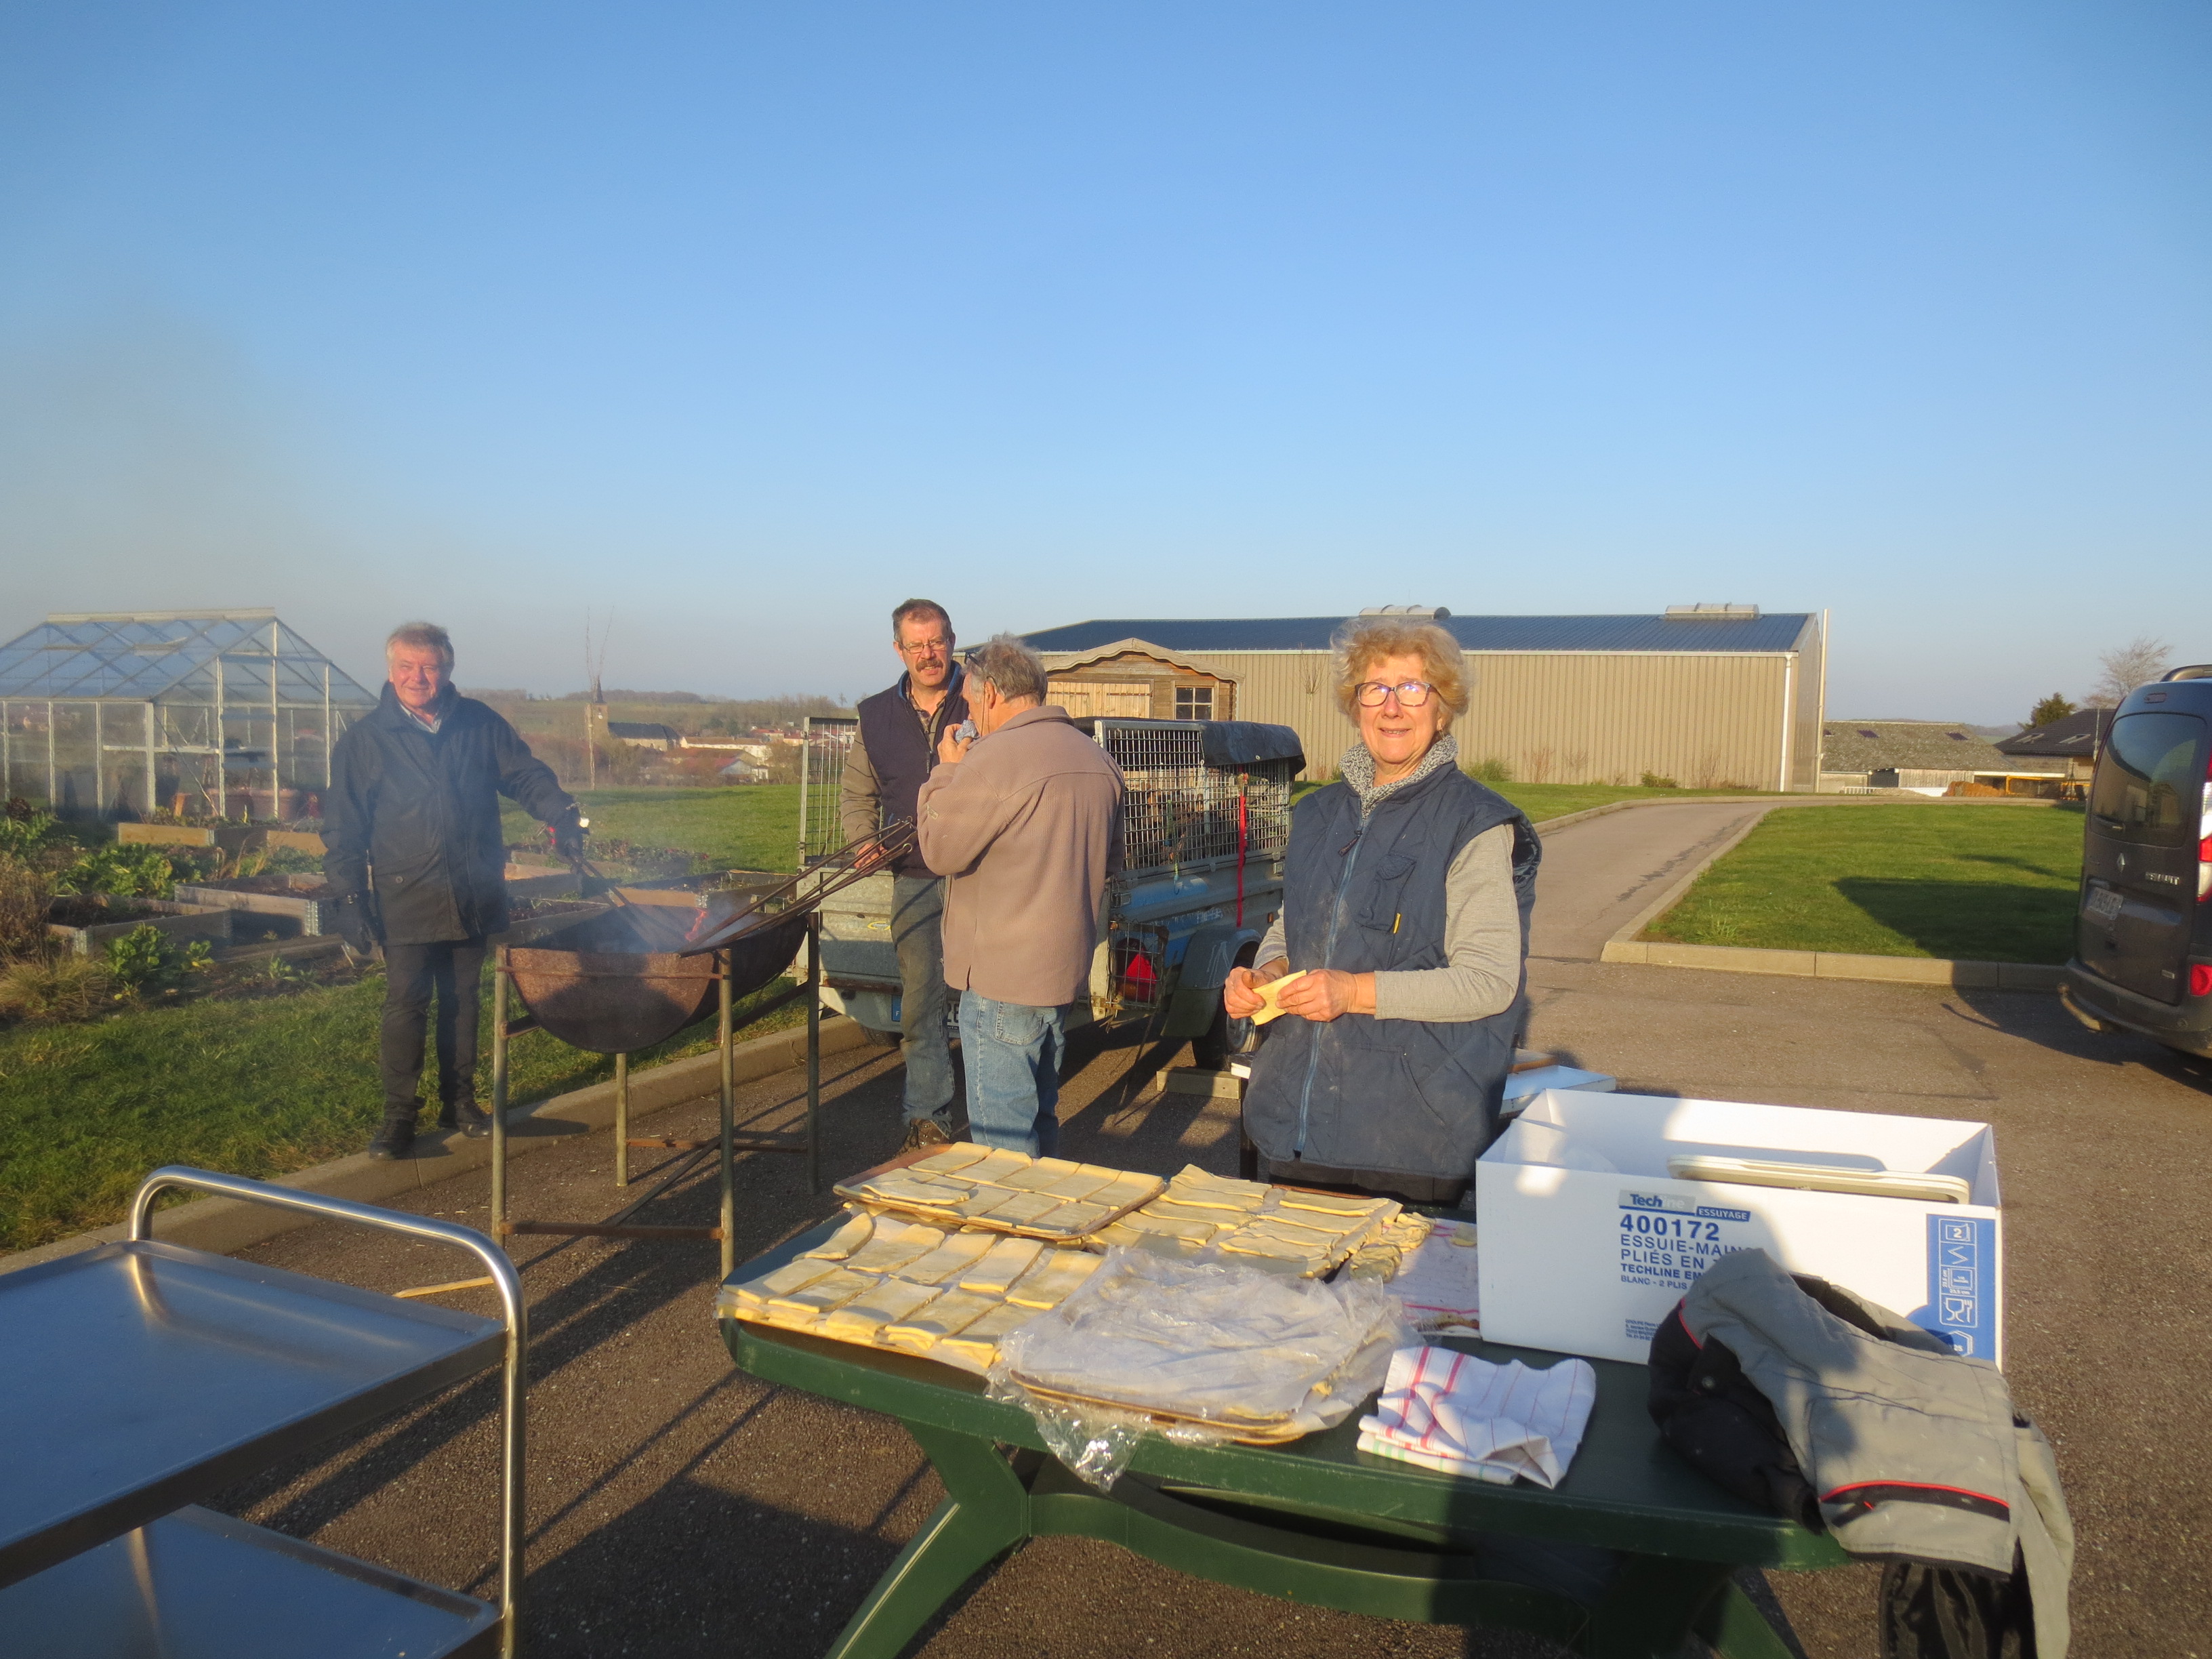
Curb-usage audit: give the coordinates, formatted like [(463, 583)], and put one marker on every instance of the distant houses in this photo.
[(1929, 757)]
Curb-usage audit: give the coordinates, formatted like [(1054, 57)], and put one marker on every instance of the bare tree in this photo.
[(2140, 660)]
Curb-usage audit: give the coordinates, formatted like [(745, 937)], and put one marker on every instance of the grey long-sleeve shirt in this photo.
[(1482, 942)]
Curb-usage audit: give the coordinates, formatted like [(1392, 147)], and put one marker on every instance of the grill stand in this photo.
[(727, 1142)]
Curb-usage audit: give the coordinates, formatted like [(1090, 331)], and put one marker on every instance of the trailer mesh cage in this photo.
[(828, 740), (1181, 807)]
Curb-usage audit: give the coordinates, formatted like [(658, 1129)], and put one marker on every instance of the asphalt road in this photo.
[(679, 1507), (1599, 873)]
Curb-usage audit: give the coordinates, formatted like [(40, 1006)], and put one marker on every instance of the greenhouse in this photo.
[(221, 713)]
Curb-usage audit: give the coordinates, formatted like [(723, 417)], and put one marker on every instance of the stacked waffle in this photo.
[(970, 1185), (914, 1288), (1385, 1250), (1278, 1229)]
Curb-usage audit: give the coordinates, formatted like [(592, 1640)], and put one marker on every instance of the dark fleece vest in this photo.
[(903, 754), (1357, 1092)]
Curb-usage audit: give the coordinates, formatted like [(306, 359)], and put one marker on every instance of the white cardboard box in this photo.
[(1521, 1087), (1587, 1242)]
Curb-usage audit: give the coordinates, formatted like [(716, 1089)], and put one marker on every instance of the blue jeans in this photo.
[(1013, 1053), (917, 929)]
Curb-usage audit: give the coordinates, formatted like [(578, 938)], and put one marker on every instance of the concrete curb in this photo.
[(1836, 964), (1903, 799), (1625, 946), (224, 1224)]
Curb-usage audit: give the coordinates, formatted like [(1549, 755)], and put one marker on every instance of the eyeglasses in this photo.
[(1411, 695)]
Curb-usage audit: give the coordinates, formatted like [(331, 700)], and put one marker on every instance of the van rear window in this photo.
[(2151, 779)]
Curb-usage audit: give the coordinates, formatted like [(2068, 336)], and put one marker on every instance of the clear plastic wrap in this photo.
[(1202, 1351)]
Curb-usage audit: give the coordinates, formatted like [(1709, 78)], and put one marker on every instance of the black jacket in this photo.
[(414, 816)]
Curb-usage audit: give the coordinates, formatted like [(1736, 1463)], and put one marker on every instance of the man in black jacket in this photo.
[(415, 857), (892, 754)]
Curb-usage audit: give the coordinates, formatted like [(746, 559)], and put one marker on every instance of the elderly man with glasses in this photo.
[(1407, 892), (891, 755)]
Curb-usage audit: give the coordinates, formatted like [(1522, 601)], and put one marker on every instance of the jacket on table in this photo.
[(1878, 1432)]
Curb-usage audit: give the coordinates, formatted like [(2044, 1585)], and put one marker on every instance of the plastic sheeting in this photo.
[(1200, 1351)]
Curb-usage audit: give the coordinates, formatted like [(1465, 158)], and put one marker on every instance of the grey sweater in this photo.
[(1482, 920)]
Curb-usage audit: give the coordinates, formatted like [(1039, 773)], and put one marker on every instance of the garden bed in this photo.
[(86, 923)]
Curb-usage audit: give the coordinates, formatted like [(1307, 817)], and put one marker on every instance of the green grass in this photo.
[(254, 1088), (1980, 884), (743, 827)]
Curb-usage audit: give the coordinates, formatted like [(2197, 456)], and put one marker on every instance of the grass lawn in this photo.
[(743, 827), (1981, 883), (251, 1087)]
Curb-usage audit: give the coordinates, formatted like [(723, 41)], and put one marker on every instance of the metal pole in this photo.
[(276, 727), (499, 1098), (53, 783), (99, 759), (622, 1120), (813, 1050), (221, 763), (153, 774), (723, 1031), (806, 773), (328, 740)]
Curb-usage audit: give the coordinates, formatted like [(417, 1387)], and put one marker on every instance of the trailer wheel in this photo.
[(1211, 1049)]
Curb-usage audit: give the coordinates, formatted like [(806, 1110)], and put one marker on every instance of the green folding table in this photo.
[(1316, 1522)]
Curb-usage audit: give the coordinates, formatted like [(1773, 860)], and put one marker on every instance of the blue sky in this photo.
[(745, 322)]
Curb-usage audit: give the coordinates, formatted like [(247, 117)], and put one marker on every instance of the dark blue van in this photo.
[(2142, 954)]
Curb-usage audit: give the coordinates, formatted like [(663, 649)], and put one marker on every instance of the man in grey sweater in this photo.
[(1025, 822)]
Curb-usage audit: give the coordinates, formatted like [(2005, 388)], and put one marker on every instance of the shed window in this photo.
[(1193, 702)]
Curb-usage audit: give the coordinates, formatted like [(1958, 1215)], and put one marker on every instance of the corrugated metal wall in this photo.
[(1579, 717)]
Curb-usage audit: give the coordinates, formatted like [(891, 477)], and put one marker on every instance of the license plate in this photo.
[(2104, 903)]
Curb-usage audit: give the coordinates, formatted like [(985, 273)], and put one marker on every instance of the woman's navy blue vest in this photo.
[(1402, 1096)]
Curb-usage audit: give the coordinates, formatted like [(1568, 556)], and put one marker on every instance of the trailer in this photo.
[(1205, 825)]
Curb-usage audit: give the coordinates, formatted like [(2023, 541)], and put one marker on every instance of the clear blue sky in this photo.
[(749, 320)]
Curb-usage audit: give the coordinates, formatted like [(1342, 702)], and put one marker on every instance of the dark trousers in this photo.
[(452, 971)]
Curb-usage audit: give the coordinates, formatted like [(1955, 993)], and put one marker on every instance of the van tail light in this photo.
[(2200, 979)]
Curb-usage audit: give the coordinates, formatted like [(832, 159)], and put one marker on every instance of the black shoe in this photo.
[(395, 1140), (470, 1119), (925, 1132)]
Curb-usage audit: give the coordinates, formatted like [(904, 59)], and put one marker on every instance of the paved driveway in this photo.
[(1599, 873), (681, 1509)]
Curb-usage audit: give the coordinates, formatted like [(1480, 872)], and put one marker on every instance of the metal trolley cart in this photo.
[(140, 1377), (637, 975)]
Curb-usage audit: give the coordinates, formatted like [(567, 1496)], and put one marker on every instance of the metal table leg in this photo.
[(622, 1120), (724, 1030), (813, 1056)]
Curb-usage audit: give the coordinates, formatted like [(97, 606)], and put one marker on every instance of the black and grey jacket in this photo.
[(1902, 1449), (413, 815)]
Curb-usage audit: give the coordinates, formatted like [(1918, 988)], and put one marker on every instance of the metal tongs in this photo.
[(833, 873)]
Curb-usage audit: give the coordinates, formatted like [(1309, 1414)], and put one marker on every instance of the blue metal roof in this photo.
[(1777, 632)]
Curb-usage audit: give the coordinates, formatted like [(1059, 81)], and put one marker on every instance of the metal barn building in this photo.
[(1708, 695), (230, 711)]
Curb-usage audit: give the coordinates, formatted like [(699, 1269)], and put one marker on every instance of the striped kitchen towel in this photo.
[(1463, 1415)]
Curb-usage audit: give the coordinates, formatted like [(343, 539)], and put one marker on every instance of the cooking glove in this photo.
[(569, 836), (355, 925)]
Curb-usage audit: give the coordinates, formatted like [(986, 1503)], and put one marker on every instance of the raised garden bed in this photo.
[(230, 837), (85, 923)]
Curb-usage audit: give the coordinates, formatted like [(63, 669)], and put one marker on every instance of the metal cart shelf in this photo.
[(146, 1377)]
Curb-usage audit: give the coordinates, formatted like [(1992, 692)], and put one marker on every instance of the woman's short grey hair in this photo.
[(422, 635), (1016, 670), (1365, 640)]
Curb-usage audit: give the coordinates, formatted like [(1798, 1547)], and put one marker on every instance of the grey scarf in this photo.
[(1357, 768)]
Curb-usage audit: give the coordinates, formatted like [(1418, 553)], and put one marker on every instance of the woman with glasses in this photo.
[(1407, 892)]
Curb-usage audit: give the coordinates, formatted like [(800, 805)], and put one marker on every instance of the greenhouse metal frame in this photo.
[(211, 713)]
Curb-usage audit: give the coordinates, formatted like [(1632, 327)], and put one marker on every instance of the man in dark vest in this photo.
[(414, 857), (892, 754)]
